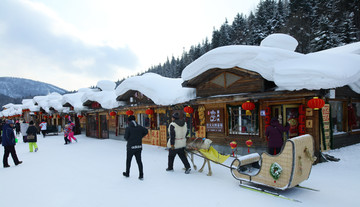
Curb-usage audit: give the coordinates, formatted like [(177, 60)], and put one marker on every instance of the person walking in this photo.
[(133, 135), (32, 137), (177, 142), (23, 128), (8, 141), (274, 135), (43, 127), (66, 134), (71, 131)]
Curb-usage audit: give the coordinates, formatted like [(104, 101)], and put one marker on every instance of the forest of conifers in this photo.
[(315, 24)]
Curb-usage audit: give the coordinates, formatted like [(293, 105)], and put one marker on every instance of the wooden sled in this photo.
[(282, 171)]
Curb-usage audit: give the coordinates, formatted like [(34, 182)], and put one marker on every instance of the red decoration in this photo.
[(66, 116), (80, 116), (267, 120), (233, 145), (248, 106), (249, 143), (302, 109), (316, 103), (45, 117), (113, 113), (302, 119), (267, 111), (189, 110), (302, 129), (95, 105), (129, 112), (50, 117), (58, 116), (40, 112), (149, 111)]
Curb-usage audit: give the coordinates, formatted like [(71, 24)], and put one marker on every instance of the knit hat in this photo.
[(8, 121), (131, 118), (176, 115)]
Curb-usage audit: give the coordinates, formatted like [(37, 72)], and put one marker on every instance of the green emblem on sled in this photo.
[(275, 170)]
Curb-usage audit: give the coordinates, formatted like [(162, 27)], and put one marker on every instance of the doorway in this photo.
[(287, 113)]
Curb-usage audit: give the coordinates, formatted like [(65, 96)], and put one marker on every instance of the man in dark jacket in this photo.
[(8, 141), (274, 134), (177, 142), (133, 135)]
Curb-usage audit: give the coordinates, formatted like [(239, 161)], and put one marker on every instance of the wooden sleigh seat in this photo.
[(295, 161)]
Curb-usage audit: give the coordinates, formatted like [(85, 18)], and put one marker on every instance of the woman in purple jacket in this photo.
[(274, 135)]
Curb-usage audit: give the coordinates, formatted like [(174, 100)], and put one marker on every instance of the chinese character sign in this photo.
[(214, 120)]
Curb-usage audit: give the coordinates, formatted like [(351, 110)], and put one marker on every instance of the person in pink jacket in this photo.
[(71, 131)]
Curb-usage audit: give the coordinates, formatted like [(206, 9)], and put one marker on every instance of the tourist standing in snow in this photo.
[(23, 127), (8, 141), (274, 135), (177, 142), (43, 127), (31, 137), (133, 135), (71, 131)]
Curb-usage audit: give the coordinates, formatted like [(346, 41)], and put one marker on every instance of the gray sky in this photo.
[(75, 43)]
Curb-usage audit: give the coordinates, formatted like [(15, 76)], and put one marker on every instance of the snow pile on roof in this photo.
[(289, 70), (161, 90), (74, 99), (282, 41), (11, 110), (53, 100), (106, 97), (29, 104)]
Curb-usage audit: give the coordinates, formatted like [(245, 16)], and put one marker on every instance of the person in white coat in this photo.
[(177, 142), (23, 127)]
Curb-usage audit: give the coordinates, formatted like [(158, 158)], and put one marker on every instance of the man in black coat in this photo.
[(8, 141), (133, 135)]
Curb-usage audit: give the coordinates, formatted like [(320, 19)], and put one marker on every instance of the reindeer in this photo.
[(194, 146)]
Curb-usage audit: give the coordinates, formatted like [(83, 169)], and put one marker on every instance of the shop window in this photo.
[(354, 116), (240, 123), (144, 120), (337, 116)]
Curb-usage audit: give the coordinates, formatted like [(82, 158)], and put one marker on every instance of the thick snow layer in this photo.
[(282, 41), (106, 98), (289, 70), (106, 85), (253, 58), (89, 173), (319, 71), (161, 90), (74, 99), (53, 100)]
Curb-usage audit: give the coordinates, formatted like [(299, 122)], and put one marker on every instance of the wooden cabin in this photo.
[(222, 92), (97, 120)]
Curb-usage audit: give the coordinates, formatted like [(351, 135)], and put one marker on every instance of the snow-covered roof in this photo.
[(29, 104), (74, 99), (289, 70), (161, 90), (106, 96), (53, 100)]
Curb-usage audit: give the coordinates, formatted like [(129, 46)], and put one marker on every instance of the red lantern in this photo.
[(129, 112), (316, 103), (233, 145), (248, 106), (40, 112), (149, 112), (35, 113), (249, 144), (58, 116), (45, 117), (113, 113), (189, 110), (66, 116), (80, 116), (50, 117)]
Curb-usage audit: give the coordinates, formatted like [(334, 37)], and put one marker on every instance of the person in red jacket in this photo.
[(274, 135)]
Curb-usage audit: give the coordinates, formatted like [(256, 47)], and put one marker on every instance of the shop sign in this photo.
[(215, 120)]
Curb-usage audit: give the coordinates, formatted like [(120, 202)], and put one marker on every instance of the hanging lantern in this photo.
[(129, 112), (35, 113), (149, 112), (80, 116), (248, 106), (189, 110), (66, 116), (113, 113), (45, 117), (249, 143), (40, 112), (50, 117), (233, 145), (58, 116), (316, 103)]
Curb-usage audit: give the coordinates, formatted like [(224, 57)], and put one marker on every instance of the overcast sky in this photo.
[(75, 43)]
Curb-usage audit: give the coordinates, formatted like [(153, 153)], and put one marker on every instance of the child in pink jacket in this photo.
[(71, 131)]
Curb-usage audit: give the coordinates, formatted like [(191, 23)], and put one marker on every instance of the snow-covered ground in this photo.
[(89, 173)]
